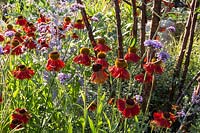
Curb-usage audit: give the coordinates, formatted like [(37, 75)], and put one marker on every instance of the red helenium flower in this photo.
[(119, 70), (153, 68), (22, 72), (142, 78), (67, 21), (54, 63), (101, 60), (2, 38), (128, 107), (21, 21), (101, 46), (99, 76), (83, 58), (163, 119), (131, 56), (15, 48), (79, 24)]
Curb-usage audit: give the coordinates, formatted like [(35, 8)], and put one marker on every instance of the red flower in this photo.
[(15, 123), (18, 37), (128, 107), (44, 45), (29, 28), (131, 56), (163, 119), (15, 49), (21, 21), (142, 78), (83, 58), (75, 36), (67, 21), (92, 106), (79, 24), (1, 99), (43, 19), (119, 70), (101, 46), (99, 76), (2, 38), (22, 72), (101, 60), (19, 117), (30, 44), (54, 63), (154, 67)]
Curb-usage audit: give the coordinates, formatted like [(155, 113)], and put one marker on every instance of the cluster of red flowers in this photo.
[(163, 119), (19, 118)]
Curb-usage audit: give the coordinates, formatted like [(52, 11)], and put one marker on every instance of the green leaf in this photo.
[(91, 125), (107, 120), (16, 93)]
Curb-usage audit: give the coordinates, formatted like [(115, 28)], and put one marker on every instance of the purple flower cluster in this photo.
[(171, 28), (1, 50), (196, 95), (75, 7), (153, 44), (163, 56), (62, 77), (138, 98), (9, 33)]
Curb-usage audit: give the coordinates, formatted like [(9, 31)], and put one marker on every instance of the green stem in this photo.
[(98, 104)]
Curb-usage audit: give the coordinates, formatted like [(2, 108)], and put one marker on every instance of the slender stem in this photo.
[(119, 33), (125, 125)]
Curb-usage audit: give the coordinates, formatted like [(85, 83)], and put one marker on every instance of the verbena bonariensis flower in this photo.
[(21, 21), (163, 56), (153, 44), (128, 107), (119, 69), (76, 6), (155, 66), (196, 95), (22, 72), (1, 38), (15, 48), (138, 98), (79, 24), (19, 117), (1, 50), (101, 59), (9, 33), (54, 63), (62, 77), (99, 76), (83, 58), (101, 46), (163, 119), (143, 78), (171, 28), (131, 55)]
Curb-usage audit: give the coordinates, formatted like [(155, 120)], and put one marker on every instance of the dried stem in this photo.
[(119, 33), (87, 24), (135, 20), (143, 26), (127, 2), (182, 52), (188, 53), (155, 17)]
